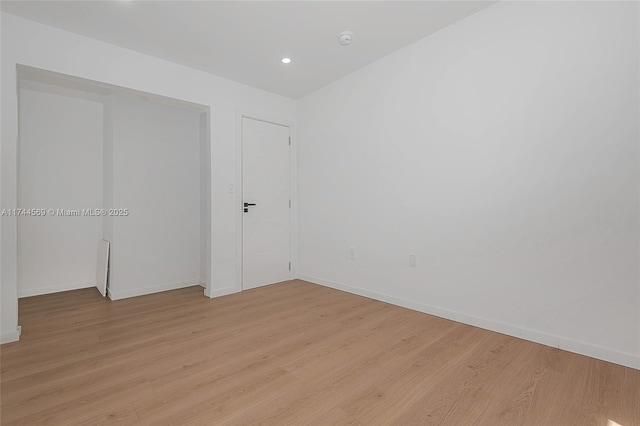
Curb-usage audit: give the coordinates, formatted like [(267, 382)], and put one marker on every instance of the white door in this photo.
[(266, 203)]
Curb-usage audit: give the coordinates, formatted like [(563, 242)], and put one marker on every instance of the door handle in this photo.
[(246, 206)]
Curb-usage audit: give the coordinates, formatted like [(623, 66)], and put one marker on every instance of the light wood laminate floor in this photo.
[(290, 354)]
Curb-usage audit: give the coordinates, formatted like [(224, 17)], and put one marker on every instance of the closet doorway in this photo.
[(100, 162)]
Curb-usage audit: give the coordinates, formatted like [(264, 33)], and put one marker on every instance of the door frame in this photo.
[(293, 191)]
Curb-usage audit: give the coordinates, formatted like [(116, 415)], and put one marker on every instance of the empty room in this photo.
[(320, 213)]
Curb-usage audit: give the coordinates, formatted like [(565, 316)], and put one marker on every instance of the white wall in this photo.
[(28, 43), (156, 176), (503, 152), (60, 155)]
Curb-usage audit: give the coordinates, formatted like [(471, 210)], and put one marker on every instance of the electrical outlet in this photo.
[(412, 260), (352, 253)]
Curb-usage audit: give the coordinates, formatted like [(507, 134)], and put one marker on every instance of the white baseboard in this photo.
[(125, 294), (221, 292), (567, 344), (599, 352), (54, 289), (11, 336)]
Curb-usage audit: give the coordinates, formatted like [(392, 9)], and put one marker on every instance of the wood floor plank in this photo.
[(469, 392), (423, 374), (292, 353), (124, 415)]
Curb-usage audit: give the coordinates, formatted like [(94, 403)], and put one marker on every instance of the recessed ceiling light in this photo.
[(286, 60)]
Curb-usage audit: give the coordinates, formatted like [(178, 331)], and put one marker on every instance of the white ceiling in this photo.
[(244, 41)]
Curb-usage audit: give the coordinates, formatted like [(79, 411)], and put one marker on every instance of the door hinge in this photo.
[(289, 203), (289, 265), (289, 140)]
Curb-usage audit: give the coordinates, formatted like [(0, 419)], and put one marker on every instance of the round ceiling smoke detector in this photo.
[(345, 38)]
